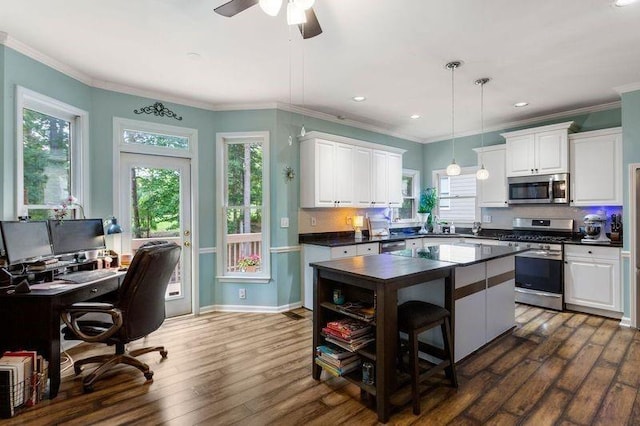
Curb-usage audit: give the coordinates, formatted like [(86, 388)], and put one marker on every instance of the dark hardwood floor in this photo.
[(253, 369)]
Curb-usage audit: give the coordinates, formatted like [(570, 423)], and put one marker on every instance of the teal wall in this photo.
[(103, 106), (437, 155)]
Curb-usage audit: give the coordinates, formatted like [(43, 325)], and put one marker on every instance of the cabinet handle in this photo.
[(345, 252), (566, 262), (589, 252), (531, 170)]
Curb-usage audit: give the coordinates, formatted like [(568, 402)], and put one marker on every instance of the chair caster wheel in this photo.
[(164, 354), (77, 369), (87, 388), (148, 375)]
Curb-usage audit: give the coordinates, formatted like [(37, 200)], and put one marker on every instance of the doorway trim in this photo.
[(634, 302), (119, 124)]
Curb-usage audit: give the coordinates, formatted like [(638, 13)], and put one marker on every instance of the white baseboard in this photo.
[(625, 322), (250, 308)]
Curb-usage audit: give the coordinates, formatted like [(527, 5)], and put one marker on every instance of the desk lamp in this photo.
[(112, 229)]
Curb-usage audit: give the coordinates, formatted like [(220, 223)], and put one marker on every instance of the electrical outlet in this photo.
[(486, 218), (242, 293), (284, 222), (313, 221), (349, 220)]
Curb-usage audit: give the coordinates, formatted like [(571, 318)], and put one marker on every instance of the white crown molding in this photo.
[(512, 124), (47, 60), (632, 87)]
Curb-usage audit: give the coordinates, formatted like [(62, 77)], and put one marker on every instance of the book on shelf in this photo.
[(20, 366), (6, 393), (335, 371), (353, 345), (334, 351), (30, 373), (343, 363), (348, 328)]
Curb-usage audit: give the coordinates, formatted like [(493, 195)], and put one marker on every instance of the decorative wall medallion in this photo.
[(159, 110), (289, 174)]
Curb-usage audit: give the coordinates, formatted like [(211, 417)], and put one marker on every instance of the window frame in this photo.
[(79, 121), (415, 176), (222, 139), (435, 179)]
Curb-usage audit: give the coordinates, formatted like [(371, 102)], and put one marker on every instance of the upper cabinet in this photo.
[(596, 168), (492, 192), (341, 172), (539, 150)]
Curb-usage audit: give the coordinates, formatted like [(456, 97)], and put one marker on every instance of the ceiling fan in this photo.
[(299, 12)]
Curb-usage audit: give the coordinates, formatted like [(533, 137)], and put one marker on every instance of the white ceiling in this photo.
[(556, 55)]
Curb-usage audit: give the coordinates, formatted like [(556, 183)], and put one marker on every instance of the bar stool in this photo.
[(415, 317)]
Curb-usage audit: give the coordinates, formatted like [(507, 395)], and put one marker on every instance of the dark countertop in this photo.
[(578, 242), (460, 254), (381, 267)]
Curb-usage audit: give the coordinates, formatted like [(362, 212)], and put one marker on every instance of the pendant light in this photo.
[(453, 169), (303, 131), (295, 13), (482, 173)]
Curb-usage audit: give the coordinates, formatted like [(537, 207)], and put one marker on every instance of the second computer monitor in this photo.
[(25, 242), (74, 236)]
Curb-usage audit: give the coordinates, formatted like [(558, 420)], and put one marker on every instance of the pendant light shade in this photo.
[(453, 169), (482, 173), (305, 4), (271, 7), (295, 13)]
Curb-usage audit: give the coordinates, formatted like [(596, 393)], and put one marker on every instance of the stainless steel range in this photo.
[(539, 271)]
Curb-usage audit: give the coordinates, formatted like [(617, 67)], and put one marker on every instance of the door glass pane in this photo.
[(155, 139), (155, 211), (47, 158)]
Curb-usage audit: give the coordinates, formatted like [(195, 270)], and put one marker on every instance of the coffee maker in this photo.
[(594, 228)]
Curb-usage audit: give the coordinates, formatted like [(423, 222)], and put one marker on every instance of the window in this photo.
[(410, 196), (457, 196), (243, 194), (49, 154)]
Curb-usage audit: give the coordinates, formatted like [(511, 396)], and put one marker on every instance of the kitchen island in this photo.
[(469, 280)]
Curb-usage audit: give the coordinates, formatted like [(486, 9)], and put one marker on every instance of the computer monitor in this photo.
[(74, 236), (25, 242)]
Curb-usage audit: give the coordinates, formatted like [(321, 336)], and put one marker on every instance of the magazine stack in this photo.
[(335, 360), (348, 333)]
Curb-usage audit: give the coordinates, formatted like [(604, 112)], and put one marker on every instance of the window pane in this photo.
[(406, 211), (407, 186), (244, 239), (155, 139), (47, 158), (244, 175)]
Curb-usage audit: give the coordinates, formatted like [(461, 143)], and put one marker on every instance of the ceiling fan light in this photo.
[(453, 169), (271, 7), (305, 4), (295, 14), (482, 173)]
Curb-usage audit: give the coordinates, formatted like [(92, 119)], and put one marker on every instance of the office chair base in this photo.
[(108, 361)]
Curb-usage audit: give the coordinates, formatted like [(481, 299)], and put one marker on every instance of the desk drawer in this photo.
[(85, 292)]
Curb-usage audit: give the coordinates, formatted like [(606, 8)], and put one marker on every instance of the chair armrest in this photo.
[(71, 314)]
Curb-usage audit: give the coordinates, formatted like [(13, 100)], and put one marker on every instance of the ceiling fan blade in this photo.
[(234, 7), (312, 27)]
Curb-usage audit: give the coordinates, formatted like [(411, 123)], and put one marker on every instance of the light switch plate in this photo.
[(486, 218), (284, 222)]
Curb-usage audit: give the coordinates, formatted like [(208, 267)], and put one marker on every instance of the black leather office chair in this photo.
[(138, 311)]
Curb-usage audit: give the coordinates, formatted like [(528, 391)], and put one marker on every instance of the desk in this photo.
[(32, 320), (384, 275)]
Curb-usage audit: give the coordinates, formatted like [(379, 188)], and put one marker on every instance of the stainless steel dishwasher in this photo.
[(392, 246)]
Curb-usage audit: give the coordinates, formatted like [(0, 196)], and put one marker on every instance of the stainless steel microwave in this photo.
[(539, 189)]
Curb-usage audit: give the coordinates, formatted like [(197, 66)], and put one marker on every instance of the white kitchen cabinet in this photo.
[(326, 174), (592, 277), (492, 192), (413, 243), (540, 150), (312, 253), (471, 309), (596, 168), (342, 172), (501, 283)]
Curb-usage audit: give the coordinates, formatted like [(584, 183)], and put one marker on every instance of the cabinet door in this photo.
[(601, 153), (520, 155), (343, 178), (413, 243), (551, 152), (394, 183), (343, 251), (362, 177), (470, 324), (367, 249), (379, 178), (325, 173), (500, 296), (593, 282), (492, 192)]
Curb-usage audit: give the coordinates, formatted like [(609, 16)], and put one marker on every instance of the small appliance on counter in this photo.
[(616, 227), (594, 228), (378, 227)]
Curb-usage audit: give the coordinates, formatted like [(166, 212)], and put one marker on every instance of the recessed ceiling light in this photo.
[(621, 3), (194, 56), (520, 104), (415, 116), (359, 98)]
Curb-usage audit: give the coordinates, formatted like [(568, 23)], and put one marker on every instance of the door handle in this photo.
[(187, 243), (187, 233)]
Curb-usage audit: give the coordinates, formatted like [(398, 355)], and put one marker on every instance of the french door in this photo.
[(155, 204)]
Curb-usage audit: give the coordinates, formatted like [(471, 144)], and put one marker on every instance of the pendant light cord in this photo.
[(453, 138), (482, 124)]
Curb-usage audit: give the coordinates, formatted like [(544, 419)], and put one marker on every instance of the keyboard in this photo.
[(82, 277)]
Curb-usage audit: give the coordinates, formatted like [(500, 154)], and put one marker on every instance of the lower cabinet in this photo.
[(312, 253), (592, 277), (484, 304)]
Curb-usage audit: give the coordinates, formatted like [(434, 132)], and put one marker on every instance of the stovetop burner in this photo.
[(534, 238)]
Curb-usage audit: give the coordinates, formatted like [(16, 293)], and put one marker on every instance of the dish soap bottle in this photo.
[(452, 228)]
